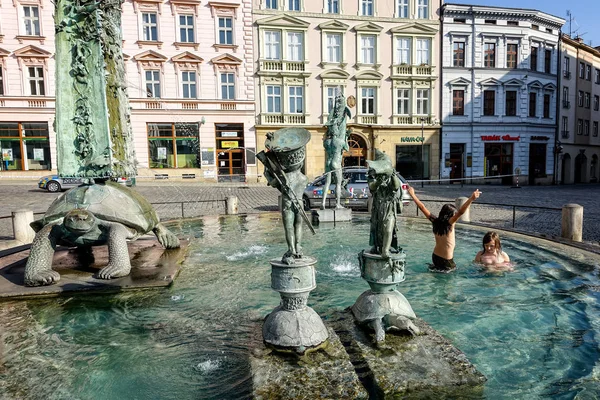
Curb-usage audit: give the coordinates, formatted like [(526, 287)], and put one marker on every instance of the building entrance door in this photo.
[(230, 153), (357, 153), (457, 156), (537, 161)]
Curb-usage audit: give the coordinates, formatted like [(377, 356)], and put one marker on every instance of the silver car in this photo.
[(356, 195), (54, 183)]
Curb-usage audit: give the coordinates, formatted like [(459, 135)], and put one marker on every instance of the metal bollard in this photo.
[(21, 228), (572, 222), (232, 205), (466, 217)]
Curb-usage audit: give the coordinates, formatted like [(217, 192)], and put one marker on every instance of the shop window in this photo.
[(173, 145), (498, 159), (29, 139), (413, 161)]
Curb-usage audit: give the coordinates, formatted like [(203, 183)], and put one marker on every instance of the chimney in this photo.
[(579, 39)]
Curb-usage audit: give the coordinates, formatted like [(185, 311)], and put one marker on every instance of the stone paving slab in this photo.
[(151, 266)]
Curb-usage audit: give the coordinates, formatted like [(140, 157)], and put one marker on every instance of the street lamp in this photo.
[(422, 153)]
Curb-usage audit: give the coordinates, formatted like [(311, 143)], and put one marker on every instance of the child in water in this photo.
[(492, 254), (443, 231)]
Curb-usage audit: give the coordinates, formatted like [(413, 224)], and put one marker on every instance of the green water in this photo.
[(532, 332)]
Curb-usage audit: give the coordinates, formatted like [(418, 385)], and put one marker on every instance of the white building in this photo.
[(499, 93)]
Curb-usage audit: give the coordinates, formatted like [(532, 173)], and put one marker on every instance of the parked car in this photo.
[(54, 183), (356, 195)]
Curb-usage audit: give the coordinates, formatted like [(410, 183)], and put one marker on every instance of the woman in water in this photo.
[(443, 231), (492, 254)]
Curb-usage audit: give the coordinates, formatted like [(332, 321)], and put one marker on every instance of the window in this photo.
[(459, 54), (511, 103), (595, 133), (31, 20), (423, 9), (580, 98), (272, 43), (36, 81), (403, 101), (173, 145), (546, 106), (565, 127), (596, 101), (588, 72), (422, 101), (597, 79), (228, 86), (402, 8), (533, 61), (188, 80), (498, 159), (547, 61), (149, 27), (580, 126), (367, 45), (1, 83), (294, 5), (296, 99), (367, 105), (586, 97), (566, 67), (186, 29), (532, 104), (225, 30), (333, 6), (489, 102), (272, 4), (490, 21), (334, 47), (367, 7), (153, 83), (331, 92), (403, 50), (581, 70), (295, 46), (458, 102), (273, 99), (512, 23), (29, 139), (565, 95), (535, 27), (423, 51), (586, 127), (460, 20), (511, 55), (489, 55)]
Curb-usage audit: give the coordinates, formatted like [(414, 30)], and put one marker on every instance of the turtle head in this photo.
[(79, 221)]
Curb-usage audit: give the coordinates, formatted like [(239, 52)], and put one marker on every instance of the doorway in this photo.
[(537, 161), (457, 156), (565, 173), (357, 153), (580, 168), (231, 165)]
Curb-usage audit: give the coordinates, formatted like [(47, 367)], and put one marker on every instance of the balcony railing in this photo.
[(564, 134), (190, 104), (566, 104), (419, 70), (282, 119), (367, 119), (282, 65), (412, 119), (27, 102)]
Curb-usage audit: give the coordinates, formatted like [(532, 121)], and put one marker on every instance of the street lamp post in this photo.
[(422, 152)]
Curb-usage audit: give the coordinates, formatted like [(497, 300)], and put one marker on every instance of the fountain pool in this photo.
[(532, 332)]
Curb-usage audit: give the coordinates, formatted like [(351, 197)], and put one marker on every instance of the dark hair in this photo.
[(441, 223), (492, 237)]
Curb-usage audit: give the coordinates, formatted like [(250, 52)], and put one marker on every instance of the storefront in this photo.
[(413, 158), (24, 146)]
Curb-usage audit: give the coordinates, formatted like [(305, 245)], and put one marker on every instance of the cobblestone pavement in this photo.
[(202, 199)]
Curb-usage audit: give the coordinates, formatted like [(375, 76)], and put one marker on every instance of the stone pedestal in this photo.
[(332, 215), (571, 222), (293, 325)]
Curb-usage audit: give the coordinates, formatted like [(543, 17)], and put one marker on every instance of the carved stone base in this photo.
[(332, 215)]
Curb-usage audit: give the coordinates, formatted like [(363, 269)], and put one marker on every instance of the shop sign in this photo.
[(229, 134), (487, 138), (208, 156), (411, 139), (161, 153), (38, 154), (229, 144), (540, 138)]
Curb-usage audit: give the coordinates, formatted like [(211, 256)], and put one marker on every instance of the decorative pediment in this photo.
[(147, 5), (32, 52), (226, 59), (514, 82), (126, 57), (335, 74), (185, 6), (187, 57), (4, 53), (490, 82), (283, 21), (459, 82), (150, 55), (549, 86), (368, 27), (369, 75), (28, 2), (414, 29), (221, 9), (333, 26), (535, 85)]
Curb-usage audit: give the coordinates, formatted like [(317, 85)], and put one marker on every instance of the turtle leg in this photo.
[(403, 323), (38, 271), (167, 238), (377, 325), (118, 255)]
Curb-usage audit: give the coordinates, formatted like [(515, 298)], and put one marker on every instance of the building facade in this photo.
[(189, 77), (382, 53), (499, 93), (578, 141)]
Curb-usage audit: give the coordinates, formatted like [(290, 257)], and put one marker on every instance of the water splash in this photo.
[(254, 250)]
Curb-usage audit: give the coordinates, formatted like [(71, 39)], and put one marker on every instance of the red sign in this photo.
[(487, 138)]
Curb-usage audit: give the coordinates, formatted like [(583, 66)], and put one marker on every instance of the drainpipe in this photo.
[(473, 41), (557, 117), (441, 92)]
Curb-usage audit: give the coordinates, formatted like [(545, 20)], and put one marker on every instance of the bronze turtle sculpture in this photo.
[(93, 215)]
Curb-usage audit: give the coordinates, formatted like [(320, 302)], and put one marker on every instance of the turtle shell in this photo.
[(108, 202), (370, 306)]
